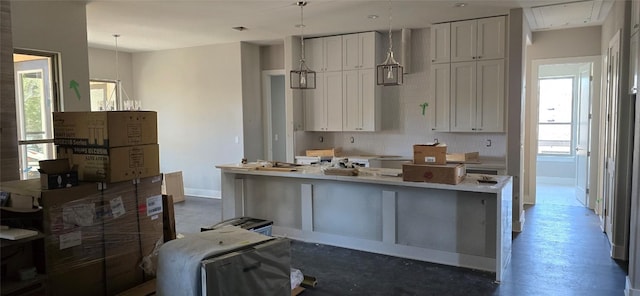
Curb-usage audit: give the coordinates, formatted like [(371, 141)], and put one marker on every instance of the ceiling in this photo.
[(149, 25)]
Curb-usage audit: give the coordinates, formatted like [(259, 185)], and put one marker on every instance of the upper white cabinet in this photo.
[(323, 105), (324, 54), (635, 16), (481, 39), (361, 101), (440, 43), (359, 50), (477, 96), (439, 98)]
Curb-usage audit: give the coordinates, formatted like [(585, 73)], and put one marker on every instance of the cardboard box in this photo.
[(113, 164), (324, 152), (150, 212), (57, 173), (467, 157), (443, 174), (430, 153), (105, 129)]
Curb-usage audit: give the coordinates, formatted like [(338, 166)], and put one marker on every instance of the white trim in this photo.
[(619, 252), (208, 193), (629, 290), (518, 226), (266, 115)]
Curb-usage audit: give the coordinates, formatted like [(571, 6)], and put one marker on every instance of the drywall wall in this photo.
[(199, 104), (253, 131), (272, 57), (102, 65), (61, 28)]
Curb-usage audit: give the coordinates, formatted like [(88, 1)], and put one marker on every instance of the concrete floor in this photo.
[(562, 251)]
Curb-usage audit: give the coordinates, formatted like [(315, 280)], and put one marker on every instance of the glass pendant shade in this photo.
[(390, 72), (303, 78)]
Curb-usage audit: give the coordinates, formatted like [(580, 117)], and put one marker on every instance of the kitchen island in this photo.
[(466, 225)]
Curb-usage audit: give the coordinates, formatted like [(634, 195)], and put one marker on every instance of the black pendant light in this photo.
[(390, 72), (303, 78)]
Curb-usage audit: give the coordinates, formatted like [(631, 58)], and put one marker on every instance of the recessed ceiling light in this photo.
[(241, 28), (460, 4), (372, 16)]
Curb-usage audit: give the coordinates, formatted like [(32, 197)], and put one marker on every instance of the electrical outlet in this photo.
[(352, 140)]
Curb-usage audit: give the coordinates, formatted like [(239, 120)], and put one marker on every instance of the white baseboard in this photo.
[(629, 290), (518, 226), (556, 181), (208, 193)]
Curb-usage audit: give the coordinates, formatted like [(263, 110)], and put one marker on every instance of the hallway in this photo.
[(561, 251)]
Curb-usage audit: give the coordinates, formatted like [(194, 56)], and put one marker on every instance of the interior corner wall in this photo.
[(272, 57), (515, 147), (253, 130), (102, 65), (9, 162), (199, 103), (60, 27)]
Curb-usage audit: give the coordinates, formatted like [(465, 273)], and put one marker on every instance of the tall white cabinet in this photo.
[(353, 103), (473, 83)]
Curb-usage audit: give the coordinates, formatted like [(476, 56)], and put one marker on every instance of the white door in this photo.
[(440, 47), (490, 96), (333, 101), (315, 112), (352, 101), (439, 100), (582, 133), (351, 52), (491, 43), (463, 97), (463, 41)]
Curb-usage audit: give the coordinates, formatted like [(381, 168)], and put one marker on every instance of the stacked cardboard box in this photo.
[(109, 146), (430, 165), (96, 234)]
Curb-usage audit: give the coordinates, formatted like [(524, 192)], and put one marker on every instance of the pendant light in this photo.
[(123, 102), (303, 78), (390, 72)]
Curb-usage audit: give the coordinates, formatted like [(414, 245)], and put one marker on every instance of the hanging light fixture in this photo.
[(123, 102), (303, 78), (390, 72)]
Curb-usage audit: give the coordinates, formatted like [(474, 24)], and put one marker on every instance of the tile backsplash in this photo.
[(403, 123)]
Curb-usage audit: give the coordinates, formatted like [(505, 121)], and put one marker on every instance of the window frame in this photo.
[(572, 123)]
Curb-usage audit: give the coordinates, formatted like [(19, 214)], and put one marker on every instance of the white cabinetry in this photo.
[(439, 100), (480, 39), (346, 99), (634, 63), (359, 50), (323, 105), (324, 54), (440, 45), (477, 96), (361, 101)]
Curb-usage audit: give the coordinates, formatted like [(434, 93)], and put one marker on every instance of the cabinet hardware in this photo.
[(473, 129), (433, 129), (473, 58), (479, 57)]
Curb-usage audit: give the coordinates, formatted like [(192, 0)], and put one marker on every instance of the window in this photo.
[(555, 128), (35, 74), (104, 95)]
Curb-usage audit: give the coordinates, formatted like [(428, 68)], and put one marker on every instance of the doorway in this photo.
[(273, 94), (562, 130)]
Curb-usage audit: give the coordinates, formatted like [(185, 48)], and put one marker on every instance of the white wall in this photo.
[(57, 26), (252, 102), (402, 121), (197, 93), (102, 65)]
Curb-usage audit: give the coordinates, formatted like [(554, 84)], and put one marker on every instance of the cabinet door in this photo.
[(463, 41), (635, 16), (351, 47), (314, 52), (370, 98), (333, 97), (463, 97), (634, 51), (315, 112), (333, 53), (440, 43), (491, 38), (369, 43), (352, 101), (439, 100), (490, 96)]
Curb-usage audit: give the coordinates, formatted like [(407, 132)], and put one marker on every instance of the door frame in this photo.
[(531, 130), (266, 102)]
